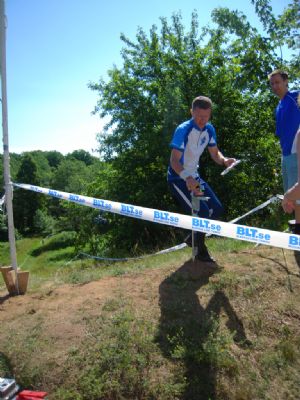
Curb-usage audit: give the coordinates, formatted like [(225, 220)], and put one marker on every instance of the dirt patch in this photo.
[(63, 307)]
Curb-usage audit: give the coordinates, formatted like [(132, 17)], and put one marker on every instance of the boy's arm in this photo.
[(219, 158)]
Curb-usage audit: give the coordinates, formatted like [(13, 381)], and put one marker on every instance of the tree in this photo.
[(54, 158), (151, 94), (43, 169), (26, 203), (72, 176), (82, 155), (282, 31)]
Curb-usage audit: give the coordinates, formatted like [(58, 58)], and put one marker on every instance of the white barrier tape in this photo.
[(110, 258), (174, 248), (220, 228), (178, 247), (228, 169), (262, 205), (2, 201)]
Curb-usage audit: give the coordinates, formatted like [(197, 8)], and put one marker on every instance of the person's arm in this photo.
[(293, 193), (175, 163), (219, 158)]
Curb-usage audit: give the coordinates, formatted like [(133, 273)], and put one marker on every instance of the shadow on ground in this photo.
[(4, 298), (297, 258), (186, 325)]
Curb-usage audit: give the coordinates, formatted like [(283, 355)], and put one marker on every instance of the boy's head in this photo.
[(202, 102), (201, 110), (284, 75), (279, 82)]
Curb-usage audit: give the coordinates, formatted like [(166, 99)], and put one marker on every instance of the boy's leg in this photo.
[(209, 208), (214, 208), (203, 253)]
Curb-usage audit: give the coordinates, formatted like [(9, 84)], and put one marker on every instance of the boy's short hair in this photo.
[(284, 75), (202, 102)]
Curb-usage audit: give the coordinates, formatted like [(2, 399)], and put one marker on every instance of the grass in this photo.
[(155, 328)]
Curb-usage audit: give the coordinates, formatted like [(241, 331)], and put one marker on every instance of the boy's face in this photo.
[(201, 116), (279, 85)]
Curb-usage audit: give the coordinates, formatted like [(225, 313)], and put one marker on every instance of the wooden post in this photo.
[(9, 278)]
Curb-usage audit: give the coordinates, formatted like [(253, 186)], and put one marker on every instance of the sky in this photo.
[(54, 48)]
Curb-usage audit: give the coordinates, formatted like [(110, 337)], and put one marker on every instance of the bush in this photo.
[(43, 223), (59, 241)]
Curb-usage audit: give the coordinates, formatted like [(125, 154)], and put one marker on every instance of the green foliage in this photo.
[(70, 176), (26, 203), (54, 158), (151, 94), (283, 30), (82, 155), (5, 367), (59, 241), (43, 168), (3, 228), (43, 223)]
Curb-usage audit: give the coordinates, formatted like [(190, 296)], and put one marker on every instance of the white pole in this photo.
[(7, 181)]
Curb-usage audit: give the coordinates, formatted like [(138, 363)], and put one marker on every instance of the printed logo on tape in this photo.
[(227, 229), (206, 225), (102, 204), (165, 217), (36, 189), (55, 193), (76, 198), (131, 211), (252, 234), (294, 242)]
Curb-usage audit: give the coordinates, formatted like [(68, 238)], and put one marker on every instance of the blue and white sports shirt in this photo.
[(288, 122), (191, 141)]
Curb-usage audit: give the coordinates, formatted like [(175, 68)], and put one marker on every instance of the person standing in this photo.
[(189, 141), (287, 124)]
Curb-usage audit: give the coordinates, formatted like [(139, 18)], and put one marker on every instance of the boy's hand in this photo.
[(193, 186), (288, 205), (229, 161)]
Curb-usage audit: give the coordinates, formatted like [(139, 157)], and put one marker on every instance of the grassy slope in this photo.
[(157, 328)]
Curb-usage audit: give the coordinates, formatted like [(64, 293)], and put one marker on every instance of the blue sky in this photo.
[(55, 47)]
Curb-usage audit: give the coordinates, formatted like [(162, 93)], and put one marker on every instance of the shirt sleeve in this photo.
[(178, 138), (212, 136)]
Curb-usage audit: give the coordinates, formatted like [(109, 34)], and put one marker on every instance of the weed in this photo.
[(121, 359), (256, 321), (287, 350), (216, 347), (5, 366), (252, 285), (113, 305), (226, 281)]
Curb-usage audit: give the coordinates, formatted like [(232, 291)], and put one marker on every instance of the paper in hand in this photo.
[(230, 167)]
